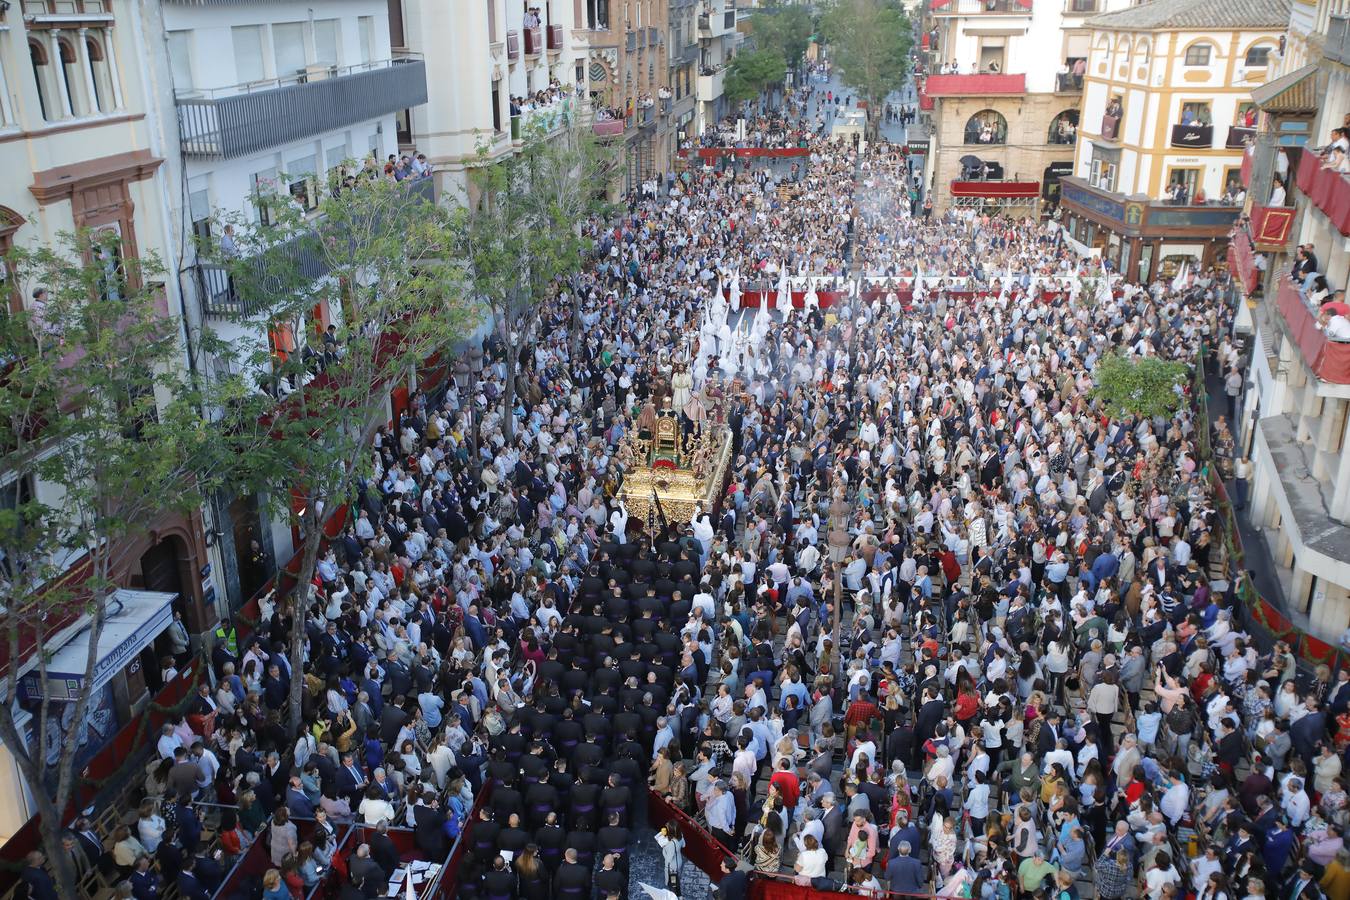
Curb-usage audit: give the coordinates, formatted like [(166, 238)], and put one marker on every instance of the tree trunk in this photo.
[(30, 761), (299, 607), (509, 389)]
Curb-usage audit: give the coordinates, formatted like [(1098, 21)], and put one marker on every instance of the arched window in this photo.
[(70, 72), (1063, 128), (1258, 57), (102, 101), (987, 127), (1199, 54), (42, 77)]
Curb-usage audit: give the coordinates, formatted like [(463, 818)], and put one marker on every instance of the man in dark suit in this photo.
[(1308, 732), (735, 884), (297, 801), (836, 828), (429, 827), (1303, 886), (40, 885), (904, 873), (189, 886), (382, 848), (208, 870), (367, 873), (351, 780), (89, 839)]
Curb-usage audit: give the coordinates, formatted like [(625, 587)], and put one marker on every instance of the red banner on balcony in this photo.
[(939, 4), (1271, 226), (1328, 190), (925, 101), (1309, 165), (995, 190), (975, 85), (924, 41), (1329, 360), (1242, 261)]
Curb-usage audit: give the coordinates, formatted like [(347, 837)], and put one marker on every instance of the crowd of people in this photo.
[(951, 628)]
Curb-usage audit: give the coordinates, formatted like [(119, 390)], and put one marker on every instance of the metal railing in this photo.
[(222, 298), (245, 119), (1068, 83)]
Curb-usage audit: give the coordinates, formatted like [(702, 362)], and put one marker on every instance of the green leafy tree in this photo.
[(785, 30), (1145, 386), (521, 241), (377, 257), (870, 42), (104, 434), (751, 74)]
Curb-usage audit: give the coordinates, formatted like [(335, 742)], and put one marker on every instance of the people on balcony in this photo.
[(1277, 193)]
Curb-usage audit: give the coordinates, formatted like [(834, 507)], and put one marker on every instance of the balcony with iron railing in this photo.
[(1239, 136), (548, 119), (1082, 7), (1068, 83), (244, 119), (216, 289)]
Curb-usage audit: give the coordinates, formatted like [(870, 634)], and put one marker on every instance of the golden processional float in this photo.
[(670, 471)]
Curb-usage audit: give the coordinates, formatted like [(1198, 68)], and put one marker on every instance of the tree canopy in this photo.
[(522, 239), (105, 434), (751, 73), (870, 42), (375, 263), (1139, 386), (785, 30)]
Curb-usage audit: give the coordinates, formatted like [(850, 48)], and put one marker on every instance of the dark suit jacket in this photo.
[(367, 873), (904, 875), (430, 831), (836, 830), (191, 888)]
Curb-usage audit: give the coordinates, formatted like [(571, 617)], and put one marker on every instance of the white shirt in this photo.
[(812, 863)]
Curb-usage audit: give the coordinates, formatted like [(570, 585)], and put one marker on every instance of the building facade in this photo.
[(1294, 415), (81, 147), (1003, 84), (486, 66), (718, 38), (1167, 112), (257, 97)]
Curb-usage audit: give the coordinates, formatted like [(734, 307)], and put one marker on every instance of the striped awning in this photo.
[(1292, 93)]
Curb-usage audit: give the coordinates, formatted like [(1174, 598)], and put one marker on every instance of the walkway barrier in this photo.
[(708, 154), (1256, 615), (700, 848)]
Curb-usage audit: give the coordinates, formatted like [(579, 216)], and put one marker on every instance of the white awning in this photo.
[(134, 620)]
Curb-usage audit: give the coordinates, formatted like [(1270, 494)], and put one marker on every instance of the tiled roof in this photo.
[(1197, 14), (1292, 93)]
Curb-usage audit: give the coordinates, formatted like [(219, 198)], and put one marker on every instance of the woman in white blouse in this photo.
[(374, 809), (811, 861)]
